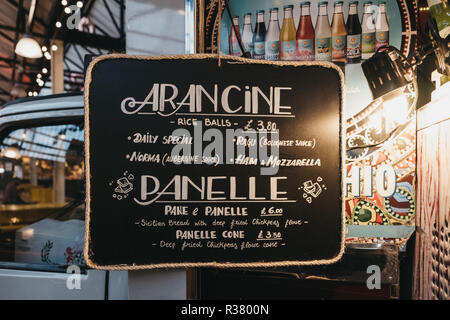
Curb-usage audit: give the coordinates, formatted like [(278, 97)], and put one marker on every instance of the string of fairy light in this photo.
[(47, 52)]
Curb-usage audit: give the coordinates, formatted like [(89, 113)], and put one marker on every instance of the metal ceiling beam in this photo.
[(74, 63), (11, 62), (122, 19), (3, 78), (70, 37), (88, 7), (3, 91), (54, 14), (18, 82), (40, 21), (79, 54), (91, 40), (111, 16), (4, 35), (19, 22), (81, 38), (13, 29)]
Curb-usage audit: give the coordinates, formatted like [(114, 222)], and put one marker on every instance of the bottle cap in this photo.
[(248, 14), (323, 3), (305, 3), (260, 11), (367, 3), (353, 2), (338, 2), (273, 9), (289, 6)]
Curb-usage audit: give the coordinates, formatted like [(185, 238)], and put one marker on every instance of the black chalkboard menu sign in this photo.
[(192, 161)]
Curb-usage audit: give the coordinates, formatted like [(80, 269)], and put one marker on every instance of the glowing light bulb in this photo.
[(28, 47), (11, 153)]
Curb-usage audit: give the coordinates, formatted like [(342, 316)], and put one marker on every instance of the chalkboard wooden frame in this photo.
[(88, 252)]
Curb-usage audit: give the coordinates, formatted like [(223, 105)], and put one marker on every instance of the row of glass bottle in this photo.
[(341, 42)]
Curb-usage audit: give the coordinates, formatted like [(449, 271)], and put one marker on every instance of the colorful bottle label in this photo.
[(259, 50), (248, 46), (382, 38), (368, 42), (235, 49), (288, 50), (354, 46), (339, 47), (323, 49), (272, 50), (305, 49)]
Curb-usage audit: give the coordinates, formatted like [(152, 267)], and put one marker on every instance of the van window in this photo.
[(42, 196)]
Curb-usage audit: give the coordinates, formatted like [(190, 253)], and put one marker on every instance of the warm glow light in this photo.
[(58, 24), (11, 153), (393, 109), (44, 48), (14, 220), (44, 70), (48, 56), (80, 4), (67, 10), (64, 2), (54, 47), (35, 94), (28, 47)]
